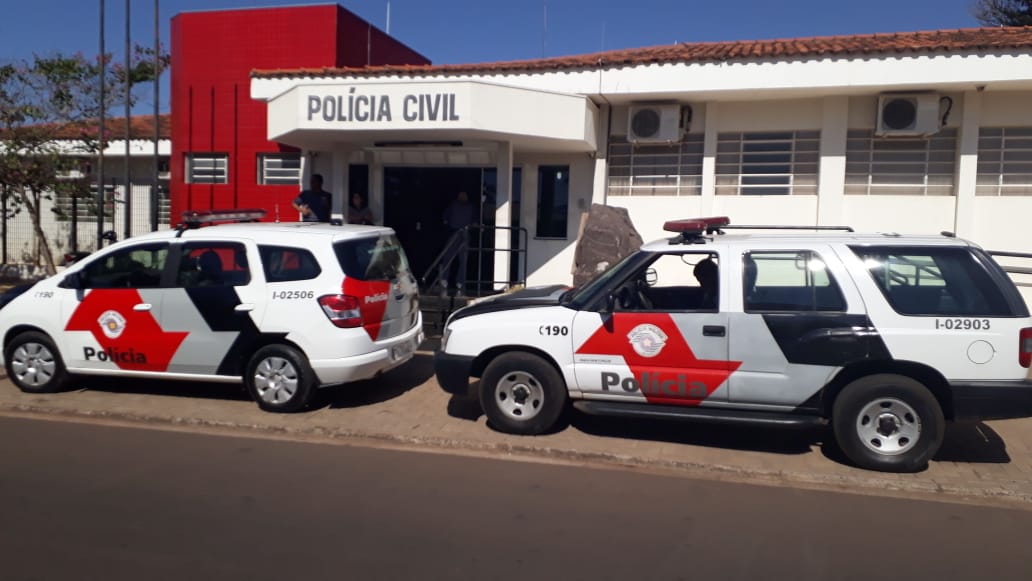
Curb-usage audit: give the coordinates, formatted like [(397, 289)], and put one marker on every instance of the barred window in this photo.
[(768, 163), (911, 166), (656, 170), (279, 169), (1004, 161), (207, 168)]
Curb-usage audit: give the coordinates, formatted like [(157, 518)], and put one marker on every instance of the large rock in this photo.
[(606, 236)]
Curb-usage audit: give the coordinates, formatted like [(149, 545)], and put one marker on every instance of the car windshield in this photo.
[(577, 297)]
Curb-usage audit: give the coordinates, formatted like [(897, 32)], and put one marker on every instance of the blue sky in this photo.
[(469, 31)]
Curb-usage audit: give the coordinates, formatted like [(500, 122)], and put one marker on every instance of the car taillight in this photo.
[(343, 310), (1025, 347)]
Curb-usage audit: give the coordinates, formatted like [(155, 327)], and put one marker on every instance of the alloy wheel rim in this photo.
[(33, 364), (276, 380)]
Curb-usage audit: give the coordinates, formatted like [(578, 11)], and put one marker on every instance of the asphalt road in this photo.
[(84, 501)]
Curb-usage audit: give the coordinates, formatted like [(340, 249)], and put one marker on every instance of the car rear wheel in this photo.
[(522, 393), (34, 364), (890, 423), (279, 378)]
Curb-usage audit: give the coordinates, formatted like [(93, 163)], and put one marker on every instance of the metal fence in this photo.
[(73, 227)]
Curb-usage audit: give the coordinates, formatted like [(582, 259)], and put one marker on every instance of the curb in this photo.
[(927, 490)]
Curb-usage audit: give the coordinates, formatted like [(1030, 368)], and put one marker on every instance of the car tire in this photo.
[(34, 364), (279, 379), (521, 393), (889, 423)]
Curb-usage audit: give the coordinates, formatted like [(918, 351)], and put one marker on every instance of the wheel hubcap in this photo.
[(33, 364), (888, 426), (275, 380), (519, 395)]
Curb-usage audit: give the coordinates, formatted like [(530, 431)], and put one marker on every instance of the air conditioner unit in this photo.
[(908, 114), (656, 123)]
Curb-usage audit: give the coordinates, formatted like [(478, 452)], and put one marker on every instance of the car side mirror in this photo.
[(610, 305), (651, 277), (74, 280)]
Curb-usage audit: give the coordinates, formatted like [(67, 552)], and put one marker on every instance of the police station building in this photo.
[(912, 132)]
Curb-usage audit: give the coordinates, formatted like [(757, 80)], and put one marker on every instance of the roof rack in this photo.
[(195, 219), (694, 230), (794, 227)]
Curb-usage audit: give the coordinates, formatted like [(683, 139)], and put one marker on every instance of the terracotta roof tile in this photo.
[(140, 127), (962, 40)]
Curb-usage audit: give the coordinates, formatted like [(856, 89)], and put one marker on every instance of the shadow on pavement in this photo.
[(972, 442), (464, 407), (136, 385), (388, 386), (775, 440)]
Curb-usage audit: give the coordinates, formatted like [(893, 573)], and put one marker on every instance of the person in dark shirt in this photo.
[(313, 203), (707, 273), (457, 216)]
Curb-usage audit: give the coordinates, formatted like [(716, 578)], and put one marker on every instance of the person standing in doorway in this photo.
[(314, 203), (457, 216), (358, 210)]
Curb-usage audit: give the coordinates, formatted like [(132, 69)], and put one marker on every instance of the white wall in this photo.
[(551, 261)]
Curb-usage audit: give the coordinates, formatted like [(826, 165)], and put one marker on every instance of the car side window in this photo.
[(673, 282), (212, 264), (789, 281), (133, 267), (285, 263), (934, 281)]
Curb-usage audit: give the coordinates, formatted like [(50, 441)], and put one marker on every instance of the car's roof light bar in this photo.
[(196, 219), (692, 229)]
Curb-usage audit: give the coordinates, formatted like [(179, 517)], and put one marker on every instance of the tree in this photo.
[(1004, 12), (48, 121)]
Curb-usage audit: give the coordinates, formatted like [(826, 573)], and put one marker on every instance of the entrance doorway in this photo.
[(414, 202), (415, 199)]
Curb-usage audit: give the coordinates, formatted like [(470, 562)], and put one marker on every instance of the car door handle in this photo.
[(244, 307), (142, 307), (714, 330)]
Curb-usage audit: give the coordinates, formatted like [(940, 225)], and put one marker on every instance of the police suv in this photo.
[(285, 308), (884, 336)]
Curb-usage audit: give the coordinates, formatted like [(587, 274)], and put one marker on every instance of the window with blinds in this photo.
[(207, 168), (768, 163), (1004, 161), (282, 169), (656, 169), (903, 166)]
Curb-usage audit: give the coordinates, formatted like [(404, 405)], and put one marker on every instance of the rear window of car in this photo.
[(375, 258), (935, 281), (285, 263)]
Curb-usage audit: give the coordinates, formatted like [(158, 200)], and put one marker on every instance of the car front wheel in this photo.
[(890, 423), (34, 364), (279, 379), (521, 393)]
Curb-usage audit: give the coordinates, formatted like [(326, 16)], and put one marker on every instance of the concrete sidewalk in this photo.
[(986, 463)]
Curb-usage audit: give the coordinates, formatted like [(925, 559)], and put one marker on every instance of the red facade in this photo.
[(213, 53)]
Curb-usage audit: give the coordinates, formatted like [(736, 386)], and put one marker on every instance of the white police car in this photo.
[(884, 336), (286, 308)]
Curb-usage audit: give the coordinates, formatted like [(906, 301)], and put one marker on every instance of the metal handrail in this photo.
[(442, 263)]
